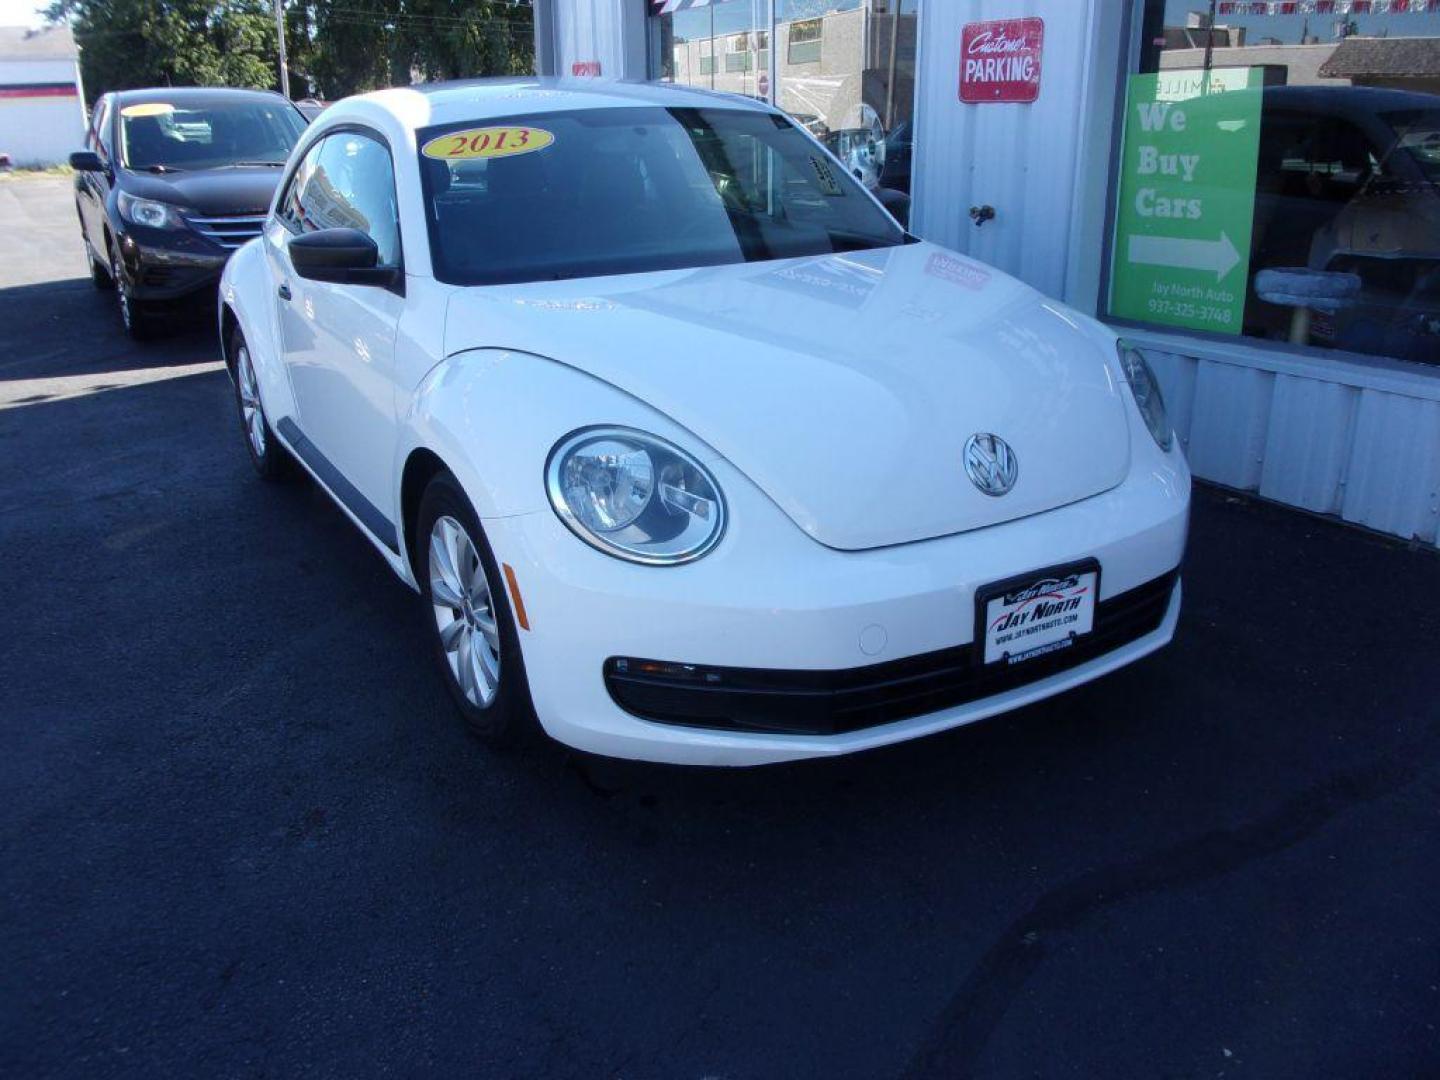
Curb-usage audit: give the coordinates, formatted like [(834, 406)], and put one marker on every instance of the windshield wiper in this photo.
[(162, 168), (268, 164)]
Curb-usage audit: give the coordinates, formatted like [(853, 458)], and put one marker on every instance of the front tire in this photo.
[(138, 324), (266, 453), (472, 631), (99, 276)]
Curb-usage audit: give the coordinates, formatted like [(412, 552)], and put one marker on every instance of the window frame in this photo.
[(99, 120), (302, 150)]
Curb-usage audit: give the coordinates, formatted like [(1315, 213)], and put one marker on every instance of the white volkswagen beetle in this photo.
[(691, 451)]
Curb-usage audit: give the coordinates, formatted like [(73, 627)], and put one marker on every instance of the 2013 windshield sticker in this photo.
[(148, 108), (487, 142)]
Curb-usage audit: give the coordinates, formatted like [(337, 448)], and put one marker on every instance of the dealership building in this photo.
[(42, 112), (1248, 190)]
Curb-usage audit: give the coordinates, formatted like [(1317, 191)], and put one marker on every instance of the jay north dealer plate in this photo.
[(1036, 615)]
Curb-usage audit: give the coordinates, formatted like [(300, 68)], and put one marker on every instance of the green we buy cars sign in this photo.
[(1187, 196)]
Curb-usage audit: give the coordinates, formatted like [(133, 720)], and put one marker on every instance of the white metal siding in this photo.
[(1368, 454), (1042, 166), (40, 130), (610, 33)]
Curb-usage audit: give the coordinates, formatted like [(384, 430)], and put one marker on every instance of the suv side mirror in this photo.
[(86, 161), (343, 256)]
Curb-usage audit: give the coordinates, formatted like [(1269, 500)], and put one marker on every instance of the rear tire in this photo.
[(270, 459), (467, 611)]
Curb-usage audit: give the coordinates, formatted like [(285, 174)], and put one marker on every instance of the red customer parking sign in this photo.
[(1000, 61)]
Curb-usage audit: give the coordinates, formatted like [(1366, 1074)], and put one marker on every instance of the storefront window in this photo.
[(845, 69), (1279, 174), (804, 39)]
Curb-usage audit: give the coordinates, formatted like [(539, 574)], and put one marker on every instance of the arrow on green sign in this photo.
[(1215, 256)]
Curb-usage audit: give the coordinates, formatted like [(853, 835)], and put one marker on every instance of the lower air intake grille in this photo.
[(832, 702)]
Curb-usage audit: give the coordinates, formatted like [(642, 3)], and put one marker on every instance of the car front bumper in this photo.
[(771, 600), (158, 272)]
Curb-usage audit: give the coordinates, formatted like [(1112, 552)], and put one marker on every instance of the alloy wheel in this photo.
[(464, 612), (122, 290), (250, 411)]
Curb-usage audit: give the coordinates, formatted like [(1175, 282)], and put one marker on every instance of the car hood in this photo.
[(236, 190), (845, 386)]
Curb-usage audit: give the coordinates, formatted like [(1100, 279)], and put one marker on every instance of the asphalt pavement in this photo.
[(244, 833)]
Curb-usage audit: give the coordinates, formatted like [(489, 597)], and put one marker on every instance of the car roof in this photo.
[(192, 95), (483, 99), (1348, 99)]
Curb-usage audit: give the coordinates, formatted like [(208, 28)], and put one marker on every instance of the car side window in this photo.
[(95, 138), (288, 209), (347, 181)]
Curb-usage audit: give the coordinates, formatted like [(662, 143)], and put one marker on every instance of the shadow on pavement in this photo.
[(245, 831), (63, 328)]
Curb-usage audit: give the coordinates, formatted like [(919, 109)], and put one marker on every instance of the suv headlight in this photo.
[(1146, 389), (635, 496), (148, 212)]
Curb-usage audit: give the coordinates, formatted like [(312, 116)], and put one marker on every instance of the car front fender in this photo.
[(492, 416), (246, 292)]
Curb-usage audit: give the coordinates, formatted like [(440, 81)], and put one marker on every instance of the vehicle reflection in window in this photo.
[(1346, 233), (844, 70)]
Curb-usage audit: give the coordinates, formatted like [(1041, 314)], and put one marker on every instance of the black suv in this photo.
[(170, 182)]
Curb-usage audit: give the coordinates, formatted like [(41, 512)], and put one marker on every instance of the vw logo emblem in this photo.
[(992, 465)]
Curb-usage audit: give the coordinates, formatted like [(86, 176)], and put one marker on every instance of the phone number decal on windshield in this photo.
[(488, 142)]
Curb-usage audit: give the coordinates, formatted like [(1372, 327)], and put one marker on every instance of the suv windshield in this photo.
[(160, 136), (628, 190)]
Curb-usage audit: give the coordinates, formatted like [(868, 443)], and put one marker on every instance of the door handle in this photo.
[(284, 291)]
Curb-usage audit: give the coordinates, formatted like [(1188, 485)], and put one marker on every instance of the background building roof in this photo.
[(1358, 57), (47, 43)]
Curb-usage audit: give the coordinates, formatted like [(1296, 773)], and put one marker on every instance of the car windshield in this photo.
[(160, 137), (1418, 136), (628, 190)]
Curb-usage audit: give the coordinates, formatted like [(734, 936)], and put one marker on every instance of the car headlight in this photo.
[(1146, 389), (635, 496), (148, 212)]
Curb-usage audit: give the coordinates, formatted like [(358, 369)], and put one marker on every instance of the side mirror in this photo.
[(86, 161), (343, 256)]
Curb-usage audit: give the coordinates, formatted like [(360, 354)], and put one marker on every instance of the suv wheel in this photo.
[(139, 324), (99, 276)]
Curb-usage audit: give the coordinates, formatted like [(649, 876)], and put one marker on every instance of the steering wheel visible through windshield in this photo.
[(628, 190), (161, 137)]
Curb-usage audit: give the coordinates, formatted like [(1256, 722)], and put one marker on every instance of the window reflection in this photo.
[(1343, 213), (845, 69)]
